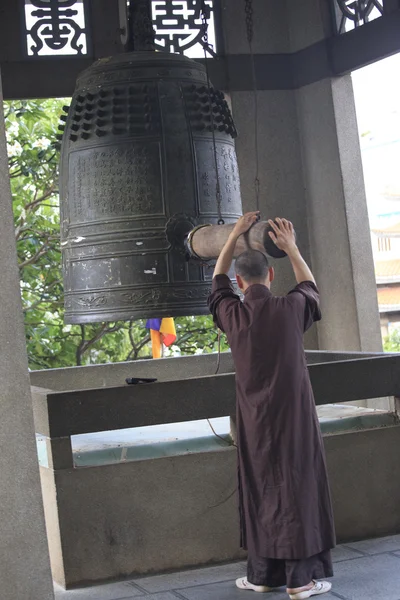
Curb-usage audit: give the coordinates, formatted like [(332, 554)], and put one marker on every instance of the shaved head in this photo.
[(252, 266)]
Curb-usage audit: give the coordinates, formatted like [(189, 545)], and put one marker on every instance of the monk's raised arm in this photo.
[(284, 237), (224, 261)]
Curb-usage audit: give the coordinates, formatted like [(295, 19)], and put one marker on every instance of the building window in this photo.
[(350, 14), (178, 26), (55, 27), (384, 244)]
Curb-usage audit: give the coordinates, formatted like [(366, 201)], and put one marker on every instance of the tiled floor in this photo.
[(367, 570)]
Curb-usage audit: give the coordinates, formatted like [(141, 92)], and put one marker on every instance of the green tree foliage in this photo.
[(391, 343), (33, 161)]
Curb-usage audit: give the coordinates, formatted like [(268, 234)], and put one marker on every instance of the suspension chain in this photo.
[(248, 8), (204, 26)]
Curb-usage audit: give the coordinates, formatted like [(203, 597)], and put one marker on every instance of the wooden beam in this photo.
[(52, 76), (366, 44), (44, 78), (25, 77)]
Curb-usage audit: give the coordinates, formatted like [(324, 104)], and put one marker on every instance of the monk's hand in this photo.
[(245, 222), (283, 235)]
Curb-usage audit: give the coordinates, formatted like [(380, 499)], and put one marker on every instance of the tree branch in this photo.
[(86, 344), (36, 201), (34, 258)]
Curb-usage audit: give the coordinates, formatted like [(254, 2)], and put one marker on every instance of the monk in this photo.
[(284, 499)]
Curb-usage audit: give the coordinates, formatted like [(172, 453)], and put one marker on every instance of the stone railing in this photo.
[(60, 415), (110, 520)]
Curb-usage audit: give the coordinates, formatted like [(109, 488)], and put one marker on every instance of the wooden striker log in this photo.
[(206, 242)]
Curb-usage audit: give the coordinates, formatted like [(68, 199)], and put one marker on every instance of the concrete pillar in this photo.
[(310, 170), (24, 558), (339, 232), (384, 327), (340, 242)]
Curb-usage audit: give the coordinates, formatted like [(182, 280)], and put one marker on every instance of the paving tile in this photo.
[(223, 591), (342, 553), (228, 591), (386, 544), (369, 578), (162, 596), (375, 576), (110, 591), (177, 581)]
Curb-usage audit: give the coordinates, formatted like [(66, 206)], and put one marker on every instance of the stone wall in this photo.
[(169, 513)]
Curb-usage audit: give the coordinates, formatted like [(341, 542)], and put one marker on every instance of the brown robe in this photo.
[(284, 499)]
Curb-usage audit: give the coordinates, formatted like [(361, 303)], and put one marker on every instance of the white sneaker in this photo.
[(244, 584), (319, 587)]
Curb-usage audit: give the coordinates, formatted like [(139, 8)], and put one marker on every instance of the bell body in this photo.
[(137, 174)]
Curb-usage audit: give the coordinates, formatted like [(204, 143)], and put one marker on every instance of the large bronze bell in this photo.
[(137, 174)]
